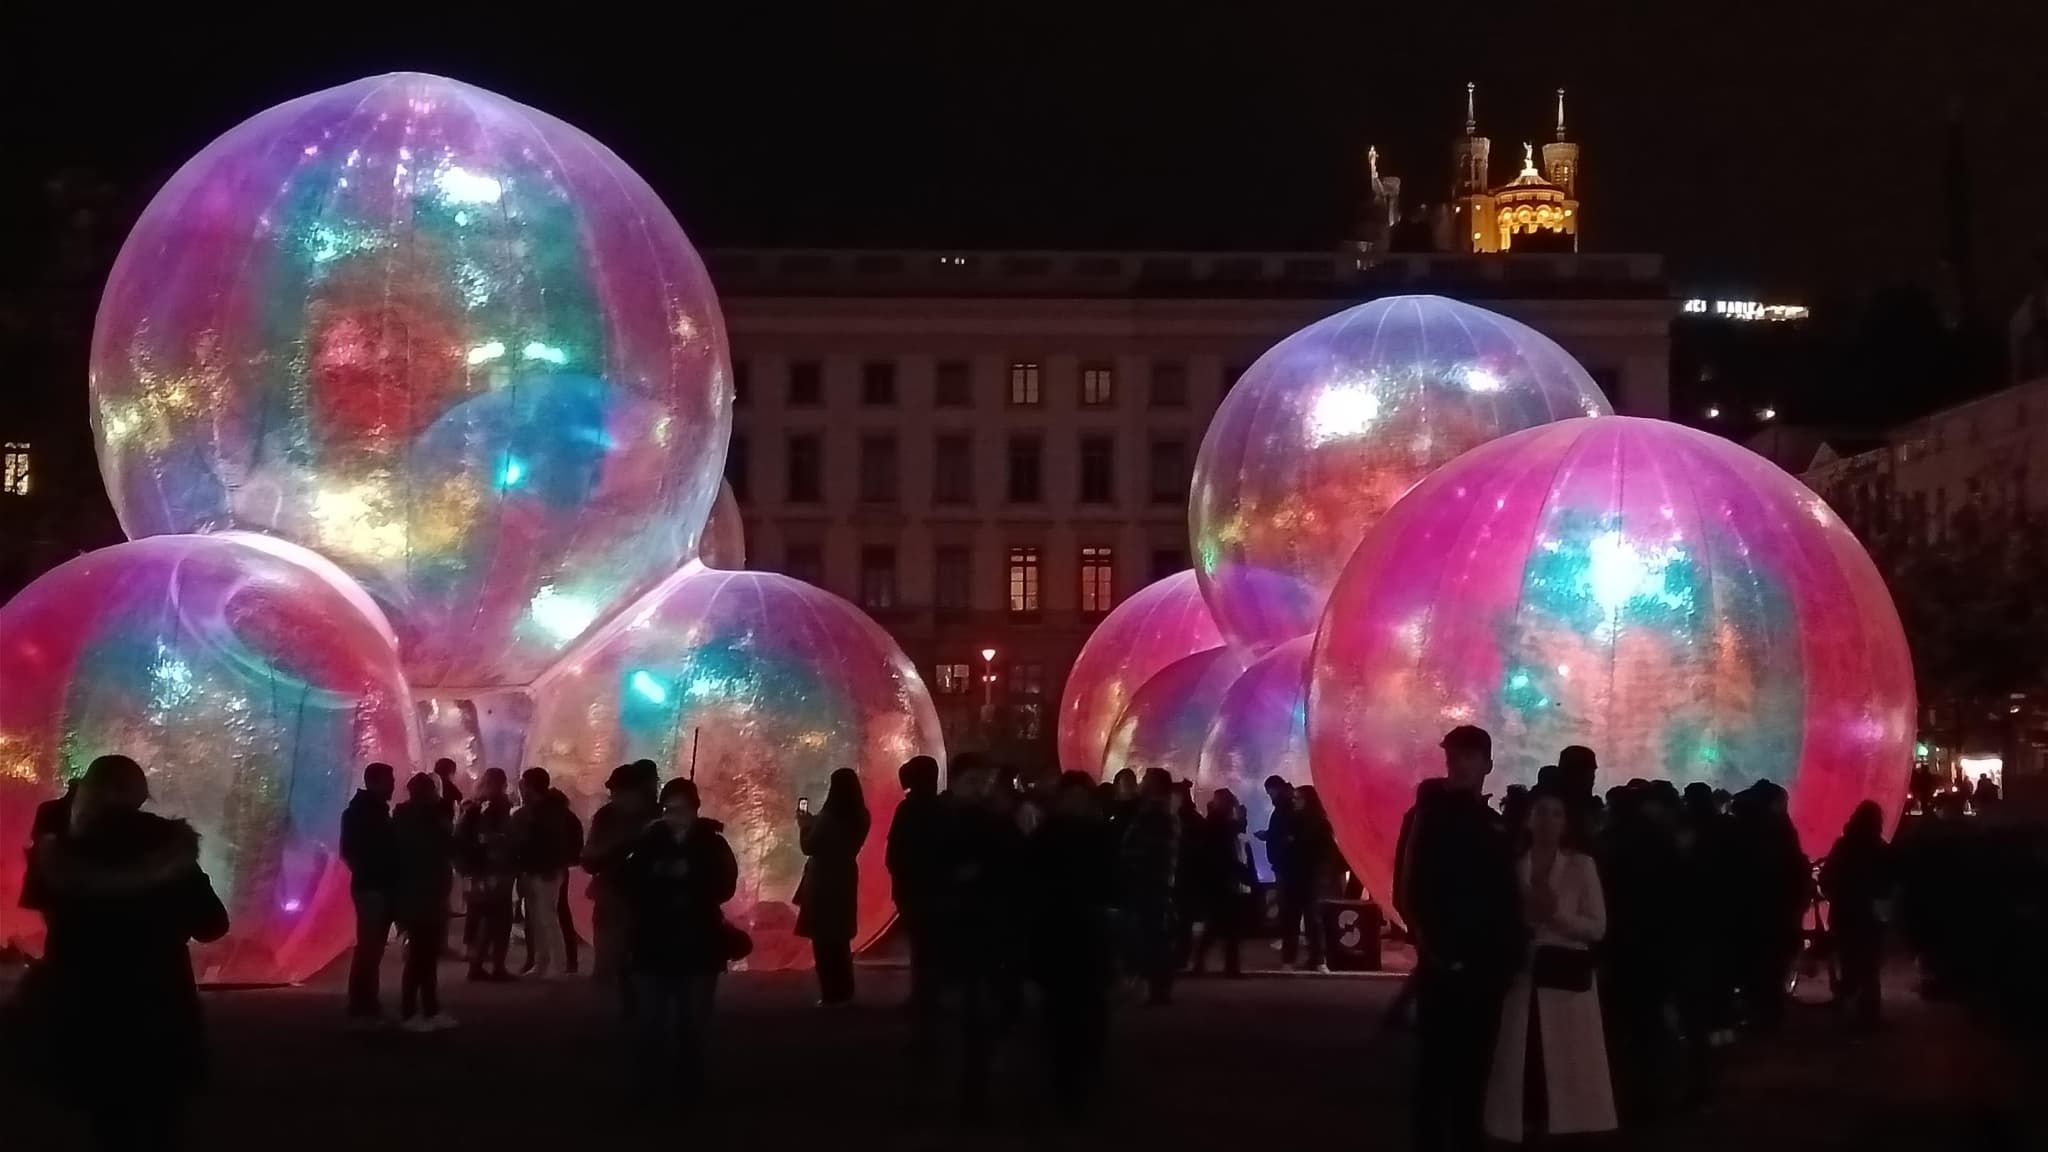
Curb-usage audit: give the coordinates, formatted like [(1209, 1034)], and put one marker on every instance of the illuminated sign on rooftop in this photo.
[(1745, 310)]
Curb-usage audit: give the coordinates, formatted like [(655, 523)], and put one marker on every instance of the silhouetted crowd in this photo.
[(1580, 959)]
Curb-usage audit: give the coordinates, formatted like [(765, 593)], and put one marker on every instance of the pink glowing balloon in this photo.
[(1260, 729), (725, 537), (1659, 594), (448, 341), (766, 685), (252, 681), (1162, 623), (1327, 429), (1166, 721)]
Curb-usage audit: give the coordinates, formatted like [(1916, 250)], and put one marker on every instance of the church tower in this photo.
[(1561, 167), (1472, 213)]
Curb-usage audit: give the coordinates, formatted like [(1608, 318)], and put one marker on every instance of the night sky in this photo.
[(1794, 147)]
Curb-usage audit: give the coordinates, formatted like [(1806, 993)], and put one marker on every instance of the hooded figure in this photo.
[(122, 893)]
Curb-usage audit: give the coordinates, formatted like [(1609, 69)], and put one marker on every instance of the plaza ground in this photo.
[(1274, 1063)]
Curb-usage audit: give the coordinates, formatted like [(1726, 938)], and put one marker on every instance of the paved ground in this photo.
[(1277, 1063)]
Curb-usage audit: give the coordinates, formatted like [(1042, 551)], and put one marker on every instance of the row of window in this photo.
[(952, 384), (953, 576), (1020, 677), (1168, 466)]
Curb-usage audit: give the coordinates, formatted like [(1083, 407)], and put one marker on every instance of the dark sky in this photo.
[(1795, 146)]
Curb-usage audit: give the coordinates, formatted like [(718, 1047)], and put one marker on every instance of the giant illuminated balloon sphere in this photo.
[(252, 681), (1327, 429), (1165, 621), (765, 685), (1167, 719), (445, 340), (725, 536), (1659, 594), (1260, 729)]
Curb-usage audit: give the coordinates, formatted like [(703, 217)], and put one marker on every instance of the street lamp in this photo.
[(988, 678)]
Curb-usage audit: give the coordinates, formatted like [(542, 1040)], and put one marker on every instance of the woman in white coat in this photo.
[(1558, 1085)]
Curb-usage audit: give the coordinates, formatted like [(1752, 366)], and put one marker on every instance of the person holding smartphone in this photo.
[(829, 893)]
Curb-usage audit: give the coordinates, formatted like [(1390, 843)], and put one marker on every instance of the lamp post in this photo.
[(988, 679)]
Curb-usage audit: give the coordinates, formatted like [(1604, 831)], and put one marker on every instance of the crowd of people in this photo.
[(1560, 925), (1630, 935)]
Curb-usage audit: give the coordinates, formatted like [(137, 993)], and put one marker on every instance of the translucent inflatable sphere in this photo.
[(1166, 721), (1162, 623), (1661, 595), (447, 341), (1260, 729), (1327, 429), (725, 537), (251, 681), (765, 685)]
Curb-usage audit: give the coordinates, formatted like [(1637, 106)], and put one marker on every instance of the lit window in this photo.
[(17, 475), (951, 679), (1098, 385), (1098, 580), (1024, 384), (1023, 579)]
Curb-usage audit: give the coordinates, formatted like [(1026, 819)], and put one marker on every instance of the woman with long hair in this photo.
[(1550, 1074), (831, 840)]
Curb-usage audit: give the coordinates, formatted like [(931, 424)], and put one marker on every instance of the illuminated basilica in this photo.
[(1537, 211)]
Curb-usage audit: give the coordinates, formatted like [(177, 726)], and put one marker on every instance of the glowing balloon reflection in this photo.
[(448, 341), (1162, 623), (251, 681), (1328, 428), (1657, 593), (760, 685)]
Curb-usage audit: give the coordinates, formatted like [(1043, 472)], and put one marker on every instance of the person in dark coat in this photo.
[(1771, 881), (1281, 853), (541, 856), (1149, 857), (675, 877), (1454, 888), (425, 844), (1856, 878), (1222, 874), (916, 859), (1314, 870), (371, 854), (1190, 896), (111, 1014), (448, 792), (829, 894), (483, 851), (976, 914), (52, 818), (630, 807), (568, 829), (1070, 859)]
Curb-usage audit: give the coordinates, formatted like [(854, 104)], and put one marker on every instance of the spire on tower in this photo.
[(1471, 116), (1560, 113), (1372, 162)]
